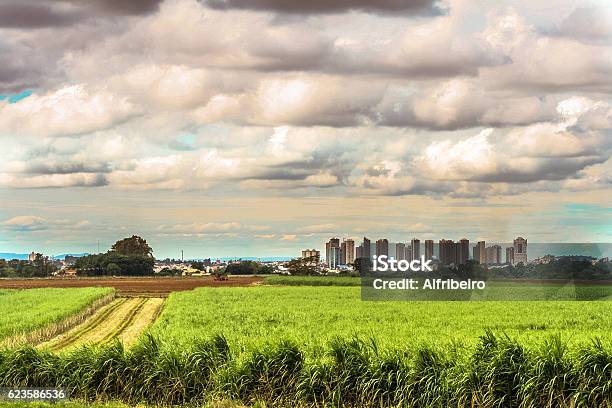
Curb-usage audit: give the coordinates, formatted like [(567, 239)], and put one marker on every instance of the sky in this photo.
[(264, 127)]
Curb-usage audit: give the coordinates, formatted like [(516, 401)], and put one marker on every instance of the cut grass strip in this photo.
[(107, 325), (87, 328), (144, 319), (30, 316), (47, 333), (126, 322)]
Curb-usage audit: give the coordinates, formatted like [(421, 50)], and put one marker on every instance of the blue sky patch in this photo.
[(14, 98)]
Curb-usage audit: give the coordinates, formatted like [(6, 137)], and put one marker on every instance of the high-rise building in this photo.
[(348, 253), (429, 249), (475, 253), (520, 250), (334, 259), (493, 255), (415, 244), (313, 255), (482, 253), (400, 251), (382, 247), (408, 252), (366, 250), (448, 251), (359, 252), (464, 251), (510, 255), (332, 253)]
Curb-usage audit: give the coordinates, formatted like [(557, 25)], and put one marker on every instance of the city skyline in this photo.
[(233, 128), (446, 251)]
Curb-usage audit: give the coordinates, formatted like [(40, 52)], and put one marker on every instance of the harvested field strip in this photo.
[(126, 322), (144, 319), (132, 286), (50, 331), (25, 312), (87, 327), (125, 319), (107, 325)]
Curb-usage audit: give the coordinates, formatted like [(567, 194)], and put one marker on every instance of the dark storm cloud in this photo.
[(41, 14), (35, 15), (298, 170), (553, 169), (400, 7), (99, 181), (121, 7), (67, 168), (281, 174)]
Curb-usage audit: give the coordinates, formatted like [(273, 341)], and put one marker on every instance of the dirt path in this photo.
[(124, 318), (132, 286)]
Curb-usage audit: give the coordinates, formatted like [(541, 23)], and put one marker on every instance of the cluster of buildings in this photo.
[(340, 253)]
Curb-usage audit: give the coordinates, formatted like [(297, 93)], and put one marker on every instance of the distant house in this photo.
[(69, 272)]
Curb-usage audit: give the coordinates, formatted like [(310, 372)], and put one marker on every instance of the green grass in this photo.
[(85, 404), (26, 310), (313, 316), (288, 346), (312, 280), (497, 372)]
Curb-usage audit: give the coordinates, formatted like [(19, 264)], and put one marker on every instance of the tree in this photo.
[(363, 265), (198, 265), (113, 269), (134, 245), (43, 266), (301, 267), (114, 263)]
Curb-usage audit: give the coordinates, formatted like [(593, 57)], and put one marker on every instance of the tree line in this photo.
[(128, 257), (40, 267)]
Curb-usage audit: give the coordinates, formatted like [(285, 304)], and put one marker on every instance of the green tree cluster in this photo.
[(128, 257), (39, 268), (248, 268), (303, 267)]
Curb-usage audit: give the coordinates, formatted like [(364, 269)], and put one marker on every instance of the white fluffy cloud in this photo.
[(72, 110), (239, 99)]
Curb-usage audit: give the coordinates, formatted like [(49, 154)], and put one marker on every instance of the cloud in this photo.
[(53, 180), (38, 14), (166, 85), (543, 62), (405, 7), (288, 237), (72, 110), (589, 24), (459, 104), (26, 223), (525, 154), (200, 228), (418, 227), (121, 7), (35, 15), (318, 228), (265, 236)]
